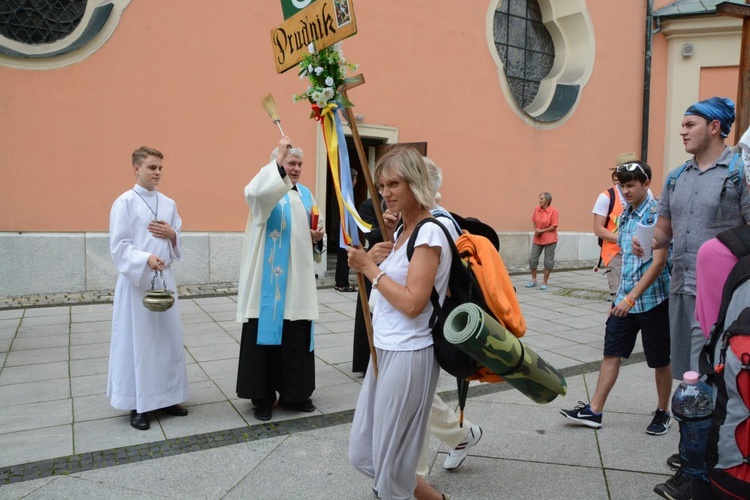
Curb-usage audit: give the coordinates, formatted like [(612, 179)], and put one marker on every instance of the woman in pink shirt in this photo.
[(545, 220), (713, 265)]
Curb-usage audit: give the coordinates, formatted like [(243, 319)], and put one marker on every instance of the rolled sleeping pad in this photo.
[(480, 336)]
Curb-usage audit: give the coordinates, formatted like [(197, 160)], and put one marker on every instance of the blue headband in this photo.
[(716, 108)]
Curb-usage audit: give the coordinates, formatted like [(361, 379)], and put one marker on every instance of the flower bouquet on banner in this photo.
[(326, 70)]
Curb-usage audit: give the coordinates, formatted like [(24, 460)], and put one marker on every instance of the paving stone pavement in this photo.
[(59, 438)]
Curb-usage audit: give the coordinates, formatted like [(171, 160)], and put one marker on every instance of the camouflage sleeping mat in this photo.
[(480, 336)]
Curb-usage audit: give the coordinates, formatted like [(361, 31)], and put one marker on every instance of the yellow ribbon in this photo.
[(332, 145)]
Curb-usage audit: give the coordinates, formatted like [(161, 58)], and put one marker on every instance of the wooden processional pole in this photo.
[(376, 208)]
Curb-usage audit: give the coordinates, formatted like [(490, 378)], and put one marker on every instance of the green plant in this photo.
[(325, 71)]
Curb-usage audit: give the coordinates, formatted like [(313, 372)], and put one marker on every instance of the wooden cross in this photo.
[(742, 106)]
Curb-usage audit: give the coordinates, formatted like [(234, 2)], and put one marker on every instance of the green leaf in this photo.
[(345, 102)]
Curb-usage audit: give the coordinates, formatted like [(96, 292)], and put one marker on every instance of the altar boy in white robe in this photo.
[(277, 299), (147, 359)]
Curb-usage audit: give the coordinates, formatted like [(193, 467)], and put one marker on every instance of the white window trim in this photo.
[(569, 24), (66, 59)]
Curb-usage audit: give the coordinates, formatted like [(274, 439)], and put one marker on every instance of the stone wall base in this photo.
[(37, 263)]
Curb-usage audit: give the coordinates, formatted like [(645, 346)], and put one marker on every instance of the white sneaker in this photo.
[(458, 454)]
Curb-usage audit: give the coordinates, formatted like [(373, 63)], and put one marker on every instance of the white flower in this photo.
[(329, 81), (328, 93), (339, 51), (310, 68), (318, 71), (318, 96), (311, 48)]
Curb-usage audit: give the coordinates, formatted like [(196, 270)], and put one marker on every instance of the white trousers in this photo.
[(444, 426)]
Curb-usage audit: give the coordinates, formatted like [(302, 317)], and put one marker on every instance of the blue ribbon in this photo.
[(275, 268), (347, 189)]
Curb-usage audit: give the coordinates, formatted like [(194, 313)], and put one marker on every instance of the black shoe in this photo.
[(583, 415), (660, 424), (176, 410), (263, 412), (674, 461), (139, 420), (677, 487), (306, 406)]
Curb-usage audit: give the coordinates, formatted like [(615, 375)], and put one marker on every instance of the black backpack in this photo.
[(463, 288)]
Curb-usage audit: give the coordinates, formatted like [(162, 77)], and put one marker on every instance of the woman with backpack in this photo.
[(391, 416)]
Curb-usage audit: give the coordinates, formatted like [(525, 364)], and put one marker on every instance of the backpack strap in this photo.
[(611, 193), (413, 237), (455, 260), (612, 197), (736, 239), (674, 174), (736, 171), (440, 212)]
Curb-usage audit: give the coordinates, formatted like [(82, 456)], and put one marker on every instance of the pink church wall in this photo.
[(187, 78)]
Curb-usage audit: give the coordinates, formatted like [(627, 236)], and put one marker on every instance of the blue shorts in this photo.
[(621, 332)]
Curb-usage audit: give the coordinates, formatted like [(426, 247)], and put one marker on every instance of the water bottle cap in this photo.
[(691, 378)]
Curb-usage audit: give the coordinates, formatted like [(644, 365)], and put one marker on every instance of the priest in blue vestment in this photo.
[(277, 300)]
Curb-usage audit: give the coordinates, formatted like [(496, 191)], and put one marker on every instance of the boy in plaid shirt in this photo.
[(641, 304)]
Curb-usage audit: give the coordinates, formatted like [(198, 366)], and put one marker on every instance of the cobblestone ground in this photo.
[(581, 285)]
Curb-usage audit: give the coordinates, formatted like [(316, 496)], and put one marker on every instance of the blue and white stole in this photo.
[(276, 266)]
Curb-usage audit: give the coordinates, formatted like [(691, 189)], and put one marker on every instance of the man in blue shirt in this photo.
[(641, 304)]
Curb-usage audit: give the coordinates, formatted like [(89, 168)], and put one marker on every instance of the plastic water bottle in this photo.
[(692, 406)]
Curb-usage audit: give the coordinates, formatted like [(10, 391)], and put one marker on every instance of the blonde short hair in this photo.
[(144, 152), (409, 164)]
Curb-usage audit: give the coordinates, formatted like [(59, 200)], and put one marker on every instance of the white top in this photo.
[(601, 207), (147, 357), (393, 331)]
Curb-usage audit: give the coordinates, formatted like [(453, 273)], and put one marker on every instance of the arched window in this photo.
[(35, 23), (53, 33), (525, 47), (543, 63)]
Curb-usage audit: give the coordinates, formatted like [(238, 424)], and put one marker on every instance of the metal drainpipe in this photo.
[(647, 80)]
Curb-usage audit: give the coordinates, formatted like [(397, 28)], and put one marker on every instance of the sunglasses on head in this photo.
[(631, 167)]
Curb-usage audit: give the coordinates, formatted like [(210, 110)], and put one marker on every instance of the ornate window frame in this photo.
[(97, 24), (569, 24)]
